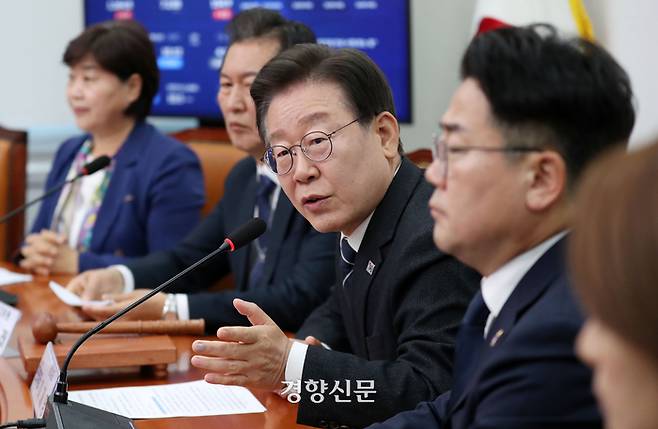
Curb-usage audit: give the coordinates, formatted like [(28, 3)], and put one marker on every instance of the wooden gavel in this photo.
[(45, 328)]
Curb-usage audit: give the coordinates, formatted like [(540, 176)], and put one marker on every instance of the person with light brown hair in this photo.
[(614, 263)]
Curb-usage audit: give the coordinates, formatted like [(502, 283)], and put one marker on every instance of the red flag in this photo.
[(568, 16)]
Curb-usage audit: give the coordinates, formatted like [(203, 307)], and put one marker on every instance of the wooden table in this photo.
[(15, 403)]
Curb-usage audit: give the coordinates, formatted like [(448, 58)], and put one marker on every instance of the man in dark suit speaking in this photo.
[(531, 112), (288, 270), (327, 117)]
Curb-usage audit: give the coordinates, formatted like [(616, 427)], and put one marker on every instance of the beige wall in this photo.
[(33, 35), (440, 33), (628, 28)]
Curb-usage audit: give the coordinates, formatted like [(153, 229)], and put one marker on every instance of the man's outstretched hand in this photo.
[(253, 356)]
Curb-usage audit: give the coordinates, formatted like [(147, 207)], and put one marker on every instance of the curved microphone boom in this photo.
[(90, 168), (95, 165), (59, 406)]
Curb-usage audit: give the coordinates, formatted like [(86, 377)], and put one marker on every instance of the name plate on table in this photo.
[(8, 318), (44, 380)]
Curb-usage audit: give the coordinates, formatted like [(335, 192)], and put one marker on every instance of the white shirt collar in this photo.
[(262, 170), (356, 237), (497, 287)]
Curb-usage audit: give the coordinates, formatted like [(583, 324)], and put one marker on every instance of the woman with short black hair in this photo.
[(150, 195)]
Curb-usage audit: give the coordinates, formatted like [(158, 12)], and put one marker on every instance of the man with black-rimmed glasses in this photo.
[(532, 111), (385, 337)]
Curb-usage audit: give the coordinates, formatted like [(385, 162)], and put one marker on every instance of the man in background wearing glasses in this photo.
[(387, 331), (531, 112)]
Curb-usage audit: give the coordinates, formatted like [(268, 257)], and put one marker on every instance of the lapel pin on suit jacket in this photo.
[(370, 268), (128, 198), (496, 337)]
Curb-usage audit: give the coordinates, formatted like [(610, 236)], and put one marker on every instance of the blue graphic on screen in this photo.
[(190, 42)]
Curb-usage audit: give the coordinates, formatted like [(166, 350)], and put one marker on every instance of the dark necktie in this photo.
[(265, 188), (347, 258), (477, 312), (469, 346)]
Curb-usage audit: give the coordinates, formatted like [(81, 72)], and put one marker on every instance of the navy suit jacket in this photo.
[(298, 269), (525, 375), (396, 322), (153, 199)]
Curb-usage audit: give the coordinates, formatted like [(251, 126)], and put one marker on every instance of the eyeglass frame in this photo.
[(442, 156), (289, 148)]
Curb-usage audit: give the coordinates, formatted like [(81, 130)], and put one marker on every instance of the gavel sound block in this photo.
[(45, 327), (106, 351)]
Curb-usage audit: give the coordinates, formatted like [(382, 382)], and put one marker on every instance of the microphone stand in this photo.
[(92, 167), (51, 191), (64, 414), (61, 413)]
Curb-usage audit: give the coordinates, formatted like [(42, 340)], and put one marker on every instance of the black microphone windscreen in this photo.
[(98, 164), (251, 230)]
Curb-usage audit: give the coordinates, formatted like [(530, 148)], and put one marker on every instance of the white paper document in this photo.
[(70, 298), (8, 318), (9, 277), (194, 398)]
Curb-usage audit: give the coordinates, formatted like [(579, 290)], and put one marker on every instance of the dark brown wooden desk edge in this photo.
[(16, 403)]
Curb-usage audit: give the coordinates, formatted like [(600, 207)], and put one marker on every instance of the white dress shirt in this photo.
[(498, 286), (297, 355)]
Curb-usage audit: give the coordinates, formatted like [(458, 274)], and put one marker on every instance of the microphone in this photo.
[(61, 413), (90, 168), (95, 165)]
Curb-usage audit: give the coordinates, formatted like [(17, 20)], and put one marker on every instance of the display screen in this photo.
[(190, 42)]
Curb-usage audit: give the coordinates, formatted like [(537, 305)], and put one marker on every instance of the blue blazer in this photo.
[(298, 270), (153, 199), (525, 375)]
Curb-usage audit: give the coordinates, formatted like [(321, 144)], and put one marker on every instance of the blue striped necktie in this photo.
[(263, 196), (347, 258)]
